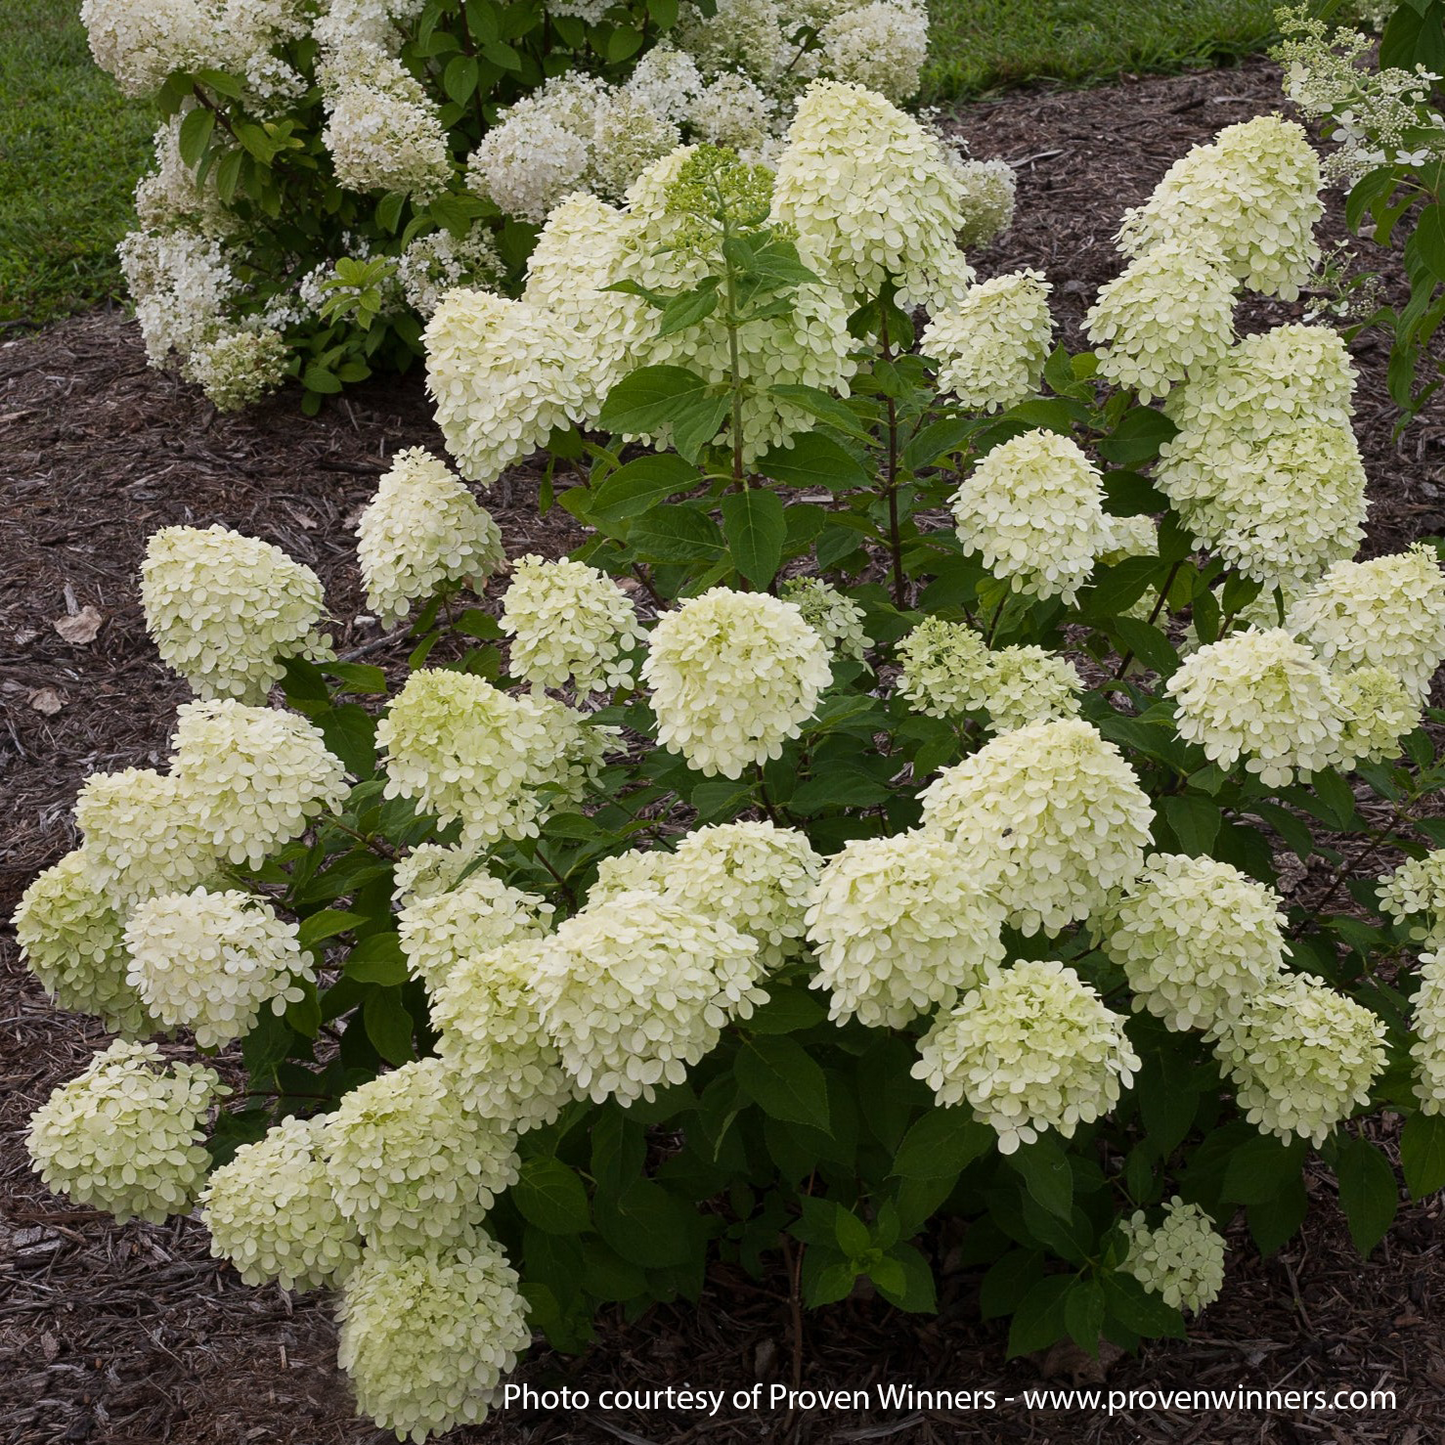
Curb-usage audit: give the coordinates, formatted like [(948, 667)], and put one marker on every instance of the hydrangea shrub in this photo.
[(915, 798), (326, 170)]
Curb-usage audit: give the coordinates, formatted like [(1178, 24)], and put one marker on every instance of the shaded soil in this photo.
[(133, 1336)]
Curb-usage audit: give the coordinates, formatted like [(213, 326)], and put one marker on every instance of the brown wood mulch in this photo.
[(133, 1336)]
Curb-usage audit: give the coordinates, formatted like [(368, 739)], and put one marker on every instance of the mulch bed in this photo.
[(133, 1336)]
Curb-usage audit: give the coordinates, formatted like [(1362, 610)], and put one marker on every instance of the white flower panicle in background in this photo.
[(427, 1337), (1265, 468), (238, 368), (733, 111), (171, 196), (1252, 195), (421, 531), (882, 44), (440, 931), (636, 989), (467, 751), (383, 132), (142, 835), (179, 282), (1263, 696), (1301, 1057), (837, 619), (1032, 1048), (409, 1163), (259, 776), (73, 940), (872, 195), (502, 1059), (900, 928), (668, 81), (641, 870), (754, 875), (945, 668), (1168, 317), (1197, 939), (439, 262), (271, 1212), (569, 623), (1377, 711), (1033, 509), (733, 675), (503, 374), (430, 869), (1427, 1052), (141, 44), (1416, 891), (1050, 815), (1181, 1259), (210, 961), (127, 1135), (223, 610), (992, 345), (1388, 612), (1026, 684), (988, 197)]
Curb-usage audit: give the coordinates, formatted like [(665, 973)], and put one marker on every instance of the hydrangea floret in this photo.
[(1181, 1259)]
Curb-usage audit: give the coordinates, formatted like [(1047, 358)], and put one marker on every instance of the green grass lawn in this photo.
[(71, 148), (984, 45)]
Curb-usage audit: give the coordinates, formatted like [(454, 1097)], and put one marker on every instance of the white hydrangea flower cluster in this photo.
[(170, 196), (1251, 195), (635, 989), (72, 939), (422, 530), (502, 1059), (1181, 1259), (409, 1163), (992, 346), (945, 667), (1054, 817), (989, 194), (439, 262), (467, 751), (1262, 695), (237, 368), (382, 130), (211, 961), (1265, 468), (1427, 1052), (1197, 939), (872, 194), (1168, 317), (569, 623), (1033, 509), (1416, 891), (429, 869), (1031, 1048), (271, 1211), (260, 776), (126, 1135), (179, 282), (754, 875), (1388, 612), (224, 609), (503, 374), (1301, 1057), (641, 870), (142, 835), (1026, 684), (441, 930), (900, 928), (733, 675), (837, 619), (1377, 710), (426, 1337), (882, 44)]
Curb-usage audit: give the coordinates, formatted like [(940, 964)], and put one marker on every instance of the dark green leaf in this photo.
[(1138, 437), (326, 924), (1039, 1319), (941, 1144), (1133, 1306), (687, 310), (636, 488), (1369, 1194), (646, 1224), (1084, 1314), (1044, 1168), (814, 460), (648, 399), (912, 1289), (195, 134), (683, 533), (378, 959), (550, 1195), (388, 1025), (1422, 1153), (778, 1075), (754, 526), (1194, 822)]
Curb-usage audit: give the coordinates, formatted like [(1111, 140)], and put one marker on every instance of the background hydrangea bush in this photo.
[(327, 169), (941, 785)]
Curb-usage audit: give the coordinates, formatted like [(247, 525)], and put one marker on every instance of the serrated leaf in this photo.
[(326, 924), (1422, 1153), (640, 485), (1194, 822), (388, 1025), (1137, 1309), (1044, 1168), (195, 134), (677, 534), (550, 1195), (941, 1144), (647, 399), (1369, 1194), (814, 460), (777, 1074)]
